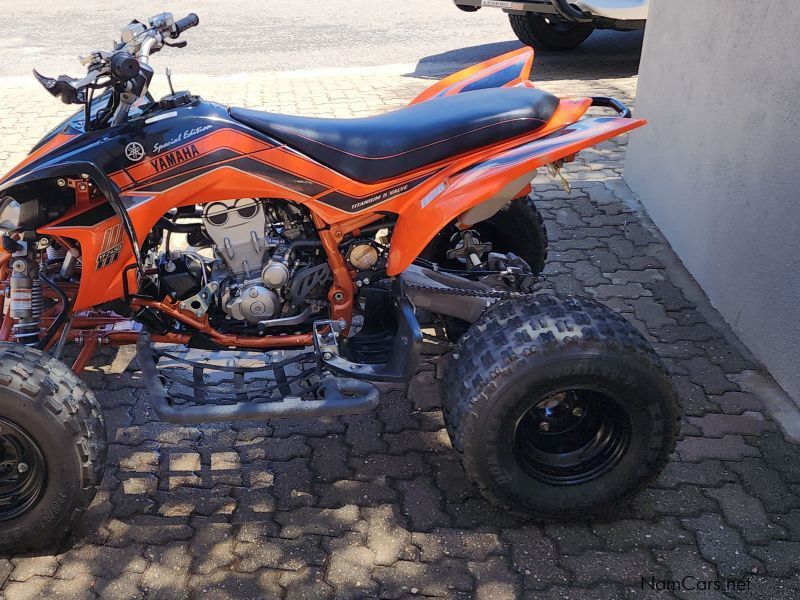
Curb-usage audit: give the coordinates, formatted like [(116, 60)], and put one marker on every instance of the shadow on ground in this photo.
[(605, 55)]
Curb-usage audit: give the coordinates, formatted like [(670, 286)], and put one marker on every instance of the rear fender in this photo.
[(491, 184), (512, 69)]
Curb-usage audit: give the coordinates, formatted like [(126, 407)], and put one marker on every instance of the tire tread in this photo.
[(50, 384), (526, 30), (508, 333)]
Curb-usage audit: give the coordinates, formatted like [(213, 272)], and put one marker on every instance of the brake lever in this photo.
[(95, 58)]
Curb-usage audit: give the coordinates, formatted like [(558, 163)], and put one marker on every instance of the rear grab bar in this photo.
[(607, 102)]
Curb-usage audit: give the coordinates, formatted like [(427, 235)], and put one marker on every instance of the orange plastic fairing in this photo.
[(507, 70), (499, 178)]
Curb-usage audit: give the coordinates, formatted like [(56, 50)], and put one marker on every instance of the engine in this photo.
[(256, 264), (250, 263)]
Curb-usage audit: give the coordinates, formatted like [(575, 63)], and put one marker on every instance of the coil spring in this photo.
[(26, 331), (54, 252)]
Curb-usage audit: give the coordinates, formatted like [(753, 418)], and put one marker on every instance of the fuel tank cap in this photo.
[(175, 100)]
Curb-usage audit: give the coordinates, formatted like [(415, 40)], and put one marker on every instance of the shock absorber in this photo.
[(27, 302)]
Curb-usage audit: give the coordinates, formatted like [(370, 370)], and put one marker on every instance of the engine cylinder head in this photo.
[(56, 252), (238, 228)]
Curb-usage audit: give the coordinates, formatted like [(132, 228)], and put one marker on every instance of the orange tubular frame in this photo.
[(269, 342)]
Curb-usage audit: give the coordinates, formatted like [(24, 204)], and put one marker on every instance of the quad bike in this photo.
[(312, 247)]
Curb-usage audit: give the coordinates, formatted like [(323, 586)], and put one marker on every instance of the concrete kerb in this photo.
[(783, 408)]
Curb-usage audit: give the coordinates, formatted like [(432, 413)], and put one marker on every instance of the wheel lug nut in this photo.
[(577, 411), (544, 426), (22, 467)]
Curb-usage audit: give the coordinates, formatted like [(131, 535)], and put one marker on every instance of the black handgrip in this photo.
[(187, 22)]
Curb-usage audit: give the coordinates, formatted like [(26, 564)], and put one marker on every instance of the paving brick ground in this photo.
[(376, 506)]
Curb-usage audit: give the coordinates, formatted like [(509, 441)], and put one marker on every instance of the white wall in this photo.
[(718, 168)]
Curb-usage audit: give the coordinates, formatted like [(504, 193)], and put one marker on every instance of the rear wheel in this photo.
[(52, 449), (549, 33), (559, 407)]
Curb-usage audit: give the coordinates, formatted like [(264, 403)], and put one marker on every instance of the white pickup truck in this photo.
[(565, 24)]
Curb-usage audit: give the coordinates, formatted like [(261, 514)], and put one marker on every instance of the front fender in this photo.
[(114, 230), (497, 180)]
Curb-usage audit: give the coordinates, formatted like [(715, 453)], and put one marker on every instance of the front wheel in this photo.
[(52, 449), (552, 34), (559, 407)]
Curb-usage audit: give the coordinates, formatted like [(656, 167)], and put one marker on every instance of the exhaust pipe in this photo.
[(569, 12)]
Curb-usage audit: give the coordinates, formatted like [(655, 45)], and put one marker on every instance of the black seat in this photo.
[(372, 149)]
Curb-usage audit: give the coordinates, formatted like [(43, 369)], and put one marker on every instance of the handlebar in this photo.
[(187, 22), (148, 47), (121, 67)]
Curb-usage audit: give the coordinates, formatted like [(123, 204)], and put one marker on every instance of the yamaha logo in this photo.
[(134, 151)]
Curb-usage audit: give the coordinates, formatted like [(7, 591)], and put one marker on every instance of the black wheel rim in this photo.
[(571, 437), (22, 471)]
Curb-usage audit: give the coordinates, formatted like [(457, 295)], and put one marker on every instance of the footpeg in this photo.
[(190, 392)]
